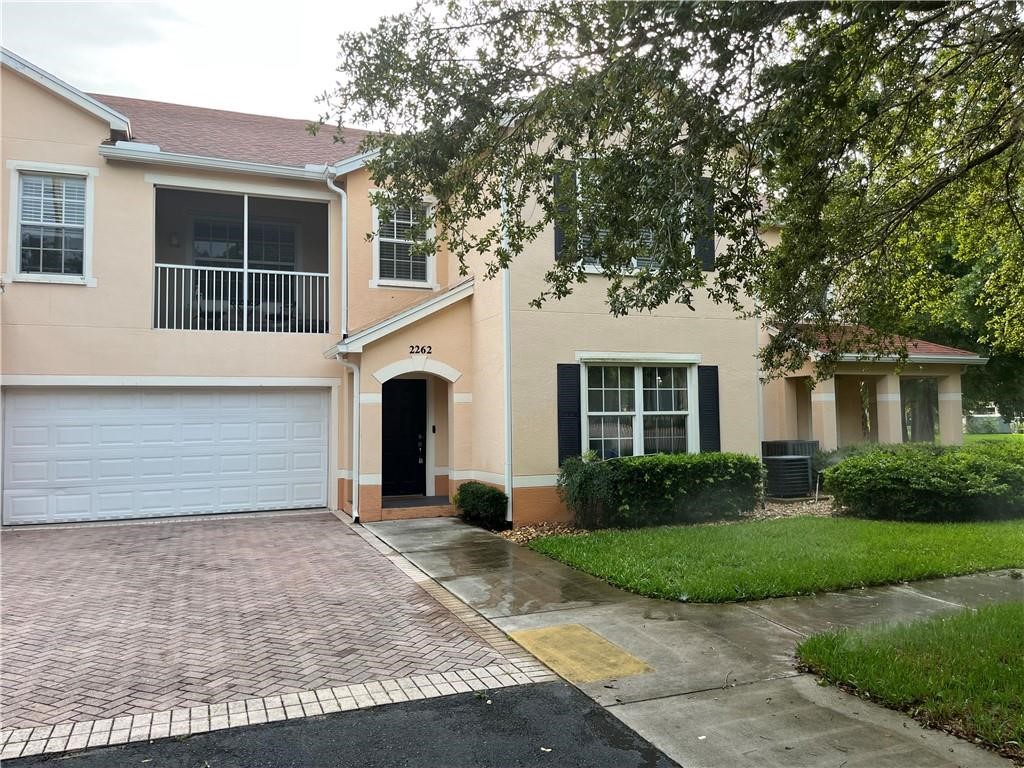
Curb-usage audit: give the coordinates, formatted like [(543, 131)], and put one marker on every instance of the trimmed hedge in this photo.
[(663, 489), (977, 482), (482, 504)]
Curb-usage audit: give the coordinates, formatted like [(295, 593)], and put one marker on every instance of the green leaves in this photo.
[(886, 139)]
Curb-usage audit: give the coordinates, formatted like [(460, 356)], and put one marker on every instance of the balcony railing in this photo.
[(190, 298)]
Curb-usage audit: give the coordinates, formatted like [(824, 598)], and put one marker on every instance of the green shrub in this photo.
[(824, 459), (1002, 450), (929, 483), (985, 425), (482, 504), (664, 489)]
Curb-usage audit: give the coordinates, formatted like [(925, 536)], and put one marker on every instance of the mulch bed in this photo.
[(772, 510)]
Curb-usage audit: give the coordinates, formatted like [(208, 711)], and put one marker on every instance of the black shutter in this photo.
[(559, 234), (704, 236), (707, 408), (569, 426)]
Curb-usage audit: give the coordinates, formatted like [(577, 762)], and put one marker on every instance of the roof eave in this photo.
[(358, 340), (944, 359), (354, 163), (114, 119), (151, 154)]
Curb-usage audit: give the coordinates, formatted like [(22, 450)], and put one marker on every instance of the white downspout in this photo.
[(506, 329), (354, 367), (343, 196)]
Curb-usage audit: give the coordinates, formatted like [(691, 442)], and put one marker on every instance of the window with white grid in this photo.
[(611, 406), (634, 410), (396, 259), (51, 222)]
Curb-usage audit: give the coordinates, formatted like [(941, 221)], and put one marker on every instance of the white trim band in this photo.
[(371, 398), (663, 358), (534, 481), (463, 398), (29, 380), (497, 478)]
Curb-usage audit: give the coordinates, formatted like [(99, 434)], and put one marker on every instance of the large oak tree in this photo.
[(884, 140)]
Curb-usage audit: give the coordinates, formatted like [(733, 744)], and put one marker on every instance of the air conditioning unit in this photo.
[(788, 476)]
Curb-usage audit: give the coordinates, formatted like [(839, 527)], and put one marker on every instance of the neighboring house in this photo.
[(872, 399)]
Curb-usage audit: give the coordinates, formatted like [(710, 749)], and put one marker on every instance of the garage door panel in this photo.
[(75, 454), (72, 471)]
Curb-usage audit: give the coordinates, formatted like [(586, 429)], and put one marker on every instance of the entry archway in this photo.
[(418, 364)]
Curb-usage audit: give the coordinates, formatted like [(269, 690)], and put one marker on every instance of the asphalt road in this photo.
[(549, 724)]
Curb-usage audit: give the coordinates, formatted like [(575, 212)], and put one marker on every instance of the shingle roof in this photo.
[(851, 333), (233, 135)]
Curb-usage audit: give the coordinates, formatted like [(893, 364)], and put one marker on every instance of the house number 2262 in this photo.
[(416, 349)]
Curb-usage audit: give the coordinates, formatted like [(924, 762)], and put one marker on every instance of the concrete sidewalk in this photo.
[(723, 690)]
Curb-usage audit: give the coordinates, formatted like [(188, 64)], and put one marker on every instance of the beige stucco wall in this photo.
[(542, 338)]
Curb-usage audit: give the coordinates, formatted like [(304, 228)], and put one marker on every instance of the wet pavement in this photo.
[(724, 690)]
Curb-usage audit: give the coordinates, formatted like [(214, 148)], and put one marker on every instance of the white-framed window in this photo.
[(644, 241), (636, 409), (395, 262), (50, 238)]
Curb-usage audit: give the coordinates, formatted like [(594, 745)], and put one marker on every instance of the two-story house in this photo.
[(194, 321)]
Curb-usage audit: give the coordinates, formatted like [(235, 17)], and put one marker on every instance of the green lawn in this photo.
[(968, 439), (795, 556), (963, 672)]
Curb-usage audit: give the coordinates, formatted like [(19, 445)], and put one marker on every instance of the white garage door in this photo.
[(101, 454)]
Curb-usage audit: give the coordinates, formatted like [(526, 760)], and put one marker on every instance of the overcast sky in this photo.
[(271, 57)]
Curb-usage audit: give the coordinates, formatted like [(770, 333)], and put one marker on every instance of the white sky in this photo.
[(271, 57)]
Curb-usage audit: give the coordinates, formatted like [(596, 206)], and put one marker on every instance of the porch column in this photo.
[(370, 414), (824, 425), (890, 409), (951, 424), (460, 435)]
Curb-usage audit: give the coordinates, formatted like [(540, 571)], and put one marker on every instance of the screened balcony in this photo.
[(240, 263)]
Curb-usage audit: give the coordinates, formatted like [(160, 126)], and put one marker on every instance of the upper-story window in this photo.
[(573, 181), (396, 259), (52, 223)]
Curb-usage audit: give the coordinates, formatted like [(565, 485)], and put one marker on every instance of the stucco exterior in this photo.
[(490, 360)]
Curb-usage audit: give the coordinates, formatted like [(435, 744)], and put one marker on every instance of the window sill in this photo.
[(28, 277), (421, 285)]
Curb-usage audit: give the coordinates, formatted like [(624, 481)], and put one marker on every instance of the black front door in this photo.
[(404, 438)]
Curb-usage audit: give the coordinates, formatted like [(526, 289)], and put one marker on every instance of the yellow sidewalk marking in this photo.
[(578, 654)]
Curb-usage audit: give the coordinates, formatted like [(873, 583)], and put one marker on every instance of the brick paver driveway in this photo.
[(105, 621)]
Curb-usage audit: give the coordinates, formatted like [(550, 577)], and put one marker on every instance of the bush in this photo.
[(664, 489), (986, 425), (931, 483), (482, 504), (824, 459)]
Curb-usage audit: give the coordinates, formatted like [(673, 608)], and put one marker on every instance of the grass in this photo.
[(969, 439), (963, 673), (795, 556)]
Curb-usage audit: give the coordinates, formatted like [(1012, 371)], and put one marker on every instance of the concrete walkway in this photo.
[(723, 690)]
